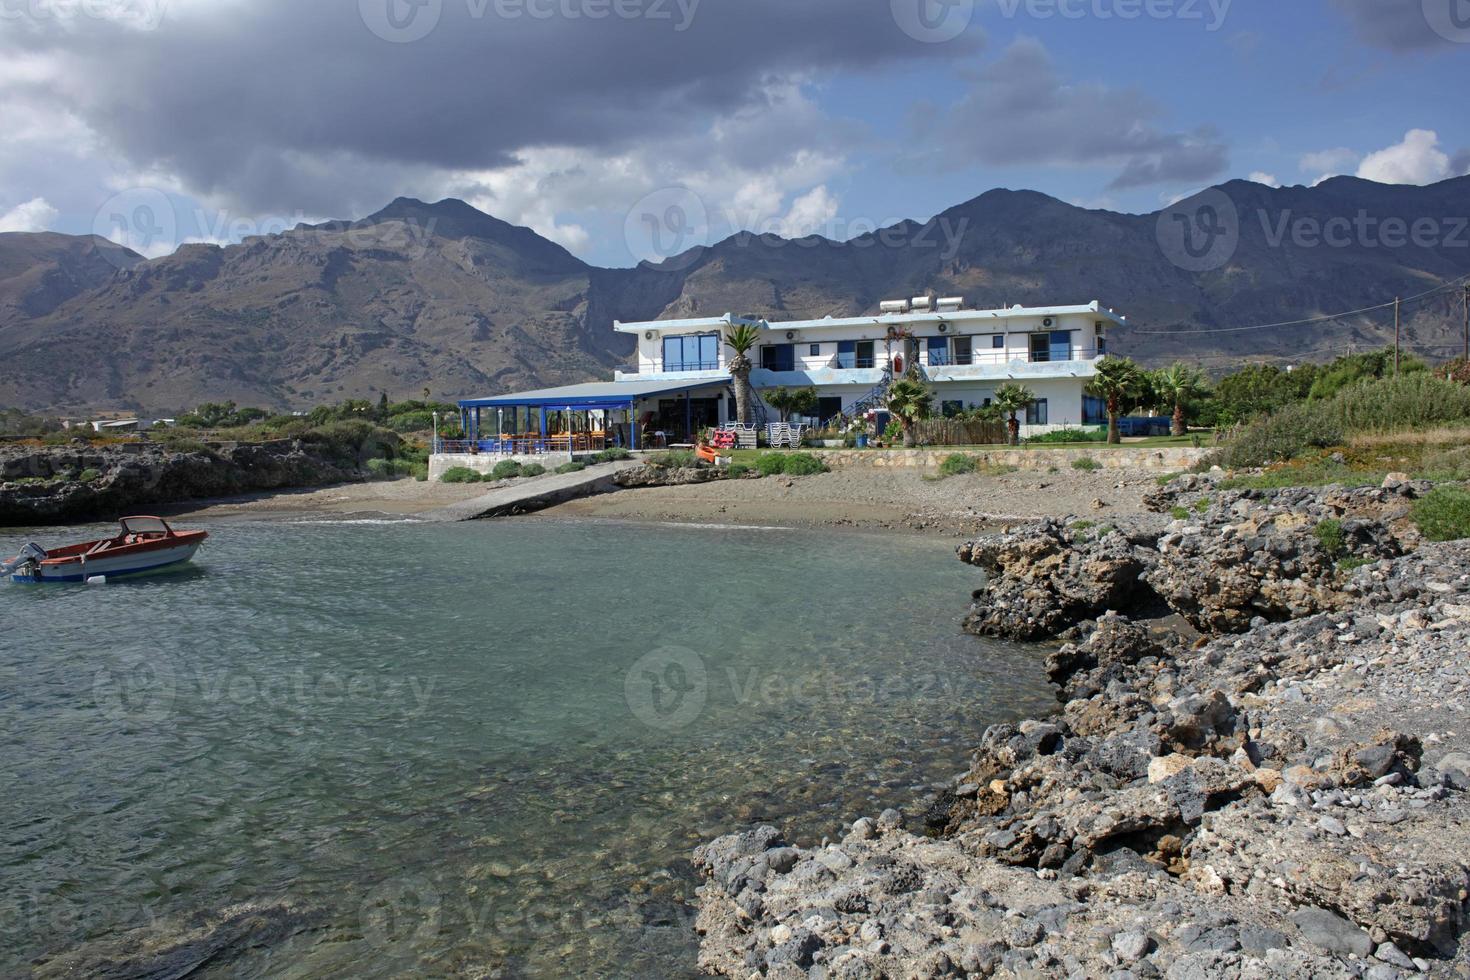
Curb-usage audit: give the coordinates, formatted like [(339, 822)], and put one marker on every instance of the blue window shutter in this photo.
[(673, 353), (1061, 345)]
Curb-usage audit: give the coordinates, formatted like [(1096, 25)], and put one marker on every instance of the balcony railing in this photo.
[(670, 366), (953, 359)]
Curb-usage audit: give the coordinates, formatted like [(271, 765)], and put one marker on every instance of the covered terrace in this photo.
[(588, 417)]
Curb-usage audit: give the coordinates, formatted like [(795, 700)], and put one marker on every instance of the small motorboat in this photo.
[(142, 545)]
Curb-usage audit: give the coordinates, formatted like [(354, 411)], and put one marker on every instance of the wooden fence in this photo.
[(960, 432)]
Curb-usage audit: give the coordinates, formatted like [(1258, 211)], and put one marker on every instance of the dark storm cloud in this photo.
[(293, 104), (1020, 111)]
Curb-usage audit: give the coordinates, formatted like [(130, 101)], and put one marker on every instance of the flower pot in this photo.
[(862, 441)]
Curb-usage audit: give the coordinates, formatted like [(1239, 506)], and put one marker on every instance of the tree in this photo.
[(801, 401), (742, 339), (1350, 369), (1178, 385), (910, 401), (1457, 370), (1012, 399), (1120, 383), (382, 406)]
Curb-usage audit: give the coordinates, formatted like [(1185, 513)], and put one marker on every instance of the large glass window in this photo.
[(1094, 410), (963, 353), (847, 354), (864, 354), (1036, 412), (938, 351), (698, 352), (778, 357)]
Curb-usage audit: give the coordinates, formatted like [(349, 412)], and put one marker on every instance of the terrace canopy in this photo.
[(563, 415)]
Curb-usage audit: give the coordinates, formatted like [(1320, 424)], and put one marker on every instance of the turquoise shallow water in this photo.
[(470, 749)]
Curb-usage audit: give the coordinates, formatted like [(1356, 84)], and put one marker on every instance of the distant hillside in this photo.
[(445, 297)]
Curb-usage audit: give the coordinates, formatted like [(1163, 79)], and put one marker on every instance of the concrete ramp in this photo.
[(537, 493)]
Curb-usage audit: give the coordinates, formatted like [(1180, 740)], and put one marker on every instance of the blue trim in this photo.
[(609, 400), (32, 580)]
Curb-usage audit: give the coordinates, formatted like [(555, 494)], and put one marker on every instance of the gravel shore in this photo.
[(1262, 773)]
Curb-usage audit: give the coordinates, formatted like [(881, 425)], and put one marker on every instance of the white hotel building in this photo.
[(683, 383)]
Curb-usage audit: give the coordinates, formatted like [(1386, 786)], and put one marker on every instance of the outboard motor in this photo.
[(31, 554)]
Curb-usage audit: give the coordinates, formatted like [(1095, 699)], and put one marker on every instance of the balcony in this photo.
[(671, 366), (950, 358)]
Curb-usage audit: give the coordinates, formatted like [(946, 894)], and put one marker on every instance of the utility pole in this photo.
[(1396, 302), (1465, 300)]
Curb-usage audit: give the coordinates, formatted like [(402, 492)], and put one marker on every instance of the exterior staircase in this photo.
[(876, 398)]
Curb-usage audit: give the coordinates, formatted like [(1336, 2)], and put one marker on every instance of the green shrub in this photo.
[(1410, 401), (957, 464), (532, 469), (1167, 479), (675, 459), (1201, 505), (803, 464), (1449, 466), (1179, 513), (88, 475), (1329, 535), (770, 464), (612, 455), (380, 469), (506, 469), (1444, 514), (459, 474), (572, 467), (1064, 436), (1279, 437), (737, 471), (1086, 463)]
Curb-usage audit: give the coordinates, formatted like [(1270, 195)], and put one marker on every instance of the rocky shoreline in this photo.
[(1259, 769), (54, 485)]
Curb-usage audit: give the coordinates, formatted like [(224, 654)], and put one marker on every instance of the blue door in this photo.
[(938, 351), (847, 353), (778, 357)]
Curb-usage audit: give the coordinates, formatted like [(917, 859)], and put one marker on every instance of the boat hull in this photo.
[(112, 566)]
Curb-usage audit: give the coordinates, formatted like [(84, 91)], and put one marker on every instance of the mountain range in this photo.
[(444, 297)]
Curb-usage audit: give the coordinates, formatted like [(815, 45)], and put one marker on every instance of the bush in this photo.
[(1279, 437), (1451, 465), (459, 474), (388, 469), (1179, 513), (1329, 535), (1086, 463), (770, 464), (533, 469), (737, 471), (612, 455), (1062, 436), (804, 464), (1410, 401), (957, 464), (506, 469), (1444, 514), (88, 475), (572, 467), (675, 459), (379, 469)]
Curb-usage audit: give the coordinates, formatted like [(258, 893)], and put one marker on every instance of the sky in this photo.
[(631, 129)]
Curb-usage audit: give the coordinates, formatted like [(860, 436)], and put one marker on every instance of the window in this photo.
[(816, 350), (938, 351), (699, 352), (1040, 347), (847, 353), (864, 354), (1036, 412), (998, 342), (778, 357), (962, 351), (1094, 410), (1102, 346)]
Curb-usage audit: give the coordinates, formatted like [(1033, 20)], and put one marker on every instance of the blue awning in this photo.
[(596, 395)]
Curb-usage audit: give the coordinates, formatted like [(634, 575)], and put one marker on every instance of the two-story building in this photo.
[(682, 382)]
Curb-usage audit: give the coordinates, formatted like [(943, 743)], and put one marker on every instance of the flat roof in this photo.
[(590, 395), (968, 317)]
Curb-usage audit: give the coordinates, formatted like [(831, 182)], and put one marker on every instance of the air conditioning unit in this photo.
[(1047, 322), (791, 335), (944, 328), (649, 335)]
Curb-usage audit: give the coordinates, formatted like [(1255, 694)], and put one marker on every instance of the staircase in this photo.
[(876, 398)]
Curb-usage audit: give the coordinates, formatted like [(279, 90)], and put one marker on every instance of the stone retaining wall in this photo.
[(483, 463), (1164, 459)]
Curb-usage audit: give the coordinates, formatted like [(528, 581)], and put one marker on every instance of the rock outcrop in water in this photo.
[(72, 483), (1282, 795)]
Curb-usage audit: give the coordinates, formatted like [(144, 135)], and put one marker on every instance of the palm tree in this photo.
[(1177, 385), (1011, 399), (1119, 383), (742, 340), (910, 401)]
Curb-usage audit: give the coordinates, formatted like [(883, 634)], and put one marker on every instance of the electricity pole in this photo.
[(1465, 300), (1396, 336)]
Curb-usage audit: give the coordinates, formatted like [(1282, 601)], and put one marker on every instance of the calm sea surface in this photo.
[(481, 749)]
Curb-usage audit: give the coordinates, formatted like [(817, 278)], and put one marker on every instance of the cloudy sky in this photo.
[(617, 126)]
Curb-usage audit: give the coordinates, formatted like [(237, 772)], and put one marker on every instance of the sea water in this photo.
[(479, 749)]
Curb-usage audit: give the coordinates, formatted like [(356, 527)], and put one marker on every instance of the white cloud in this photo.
[(810, 214), (1330, 163), (1417, 160), (33, 215), (1261, 177)]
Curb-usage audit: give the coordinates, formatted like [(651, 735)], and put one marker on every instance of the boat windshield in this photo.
[(143, 525)]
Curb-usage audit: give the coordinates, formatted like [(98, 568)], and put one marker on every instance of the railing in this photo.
[(951, 359), (672, 366), (581, 442), (875, 398)]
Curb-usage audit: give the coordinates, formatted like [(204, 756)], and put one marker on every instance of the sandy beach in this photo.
[(865, 499)]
